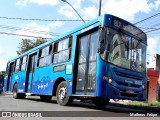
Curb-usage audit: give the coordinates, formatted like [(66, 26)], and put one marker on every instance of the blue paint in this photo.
[(69, 69), (43, 79)]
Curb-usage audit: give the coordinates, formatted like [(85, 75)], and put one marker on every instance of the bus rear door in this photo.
[(9, 79), (30, 72)]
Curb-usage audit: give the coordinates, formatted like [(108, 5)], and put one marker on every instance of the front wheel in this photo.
[(101, 102), (62, 94)]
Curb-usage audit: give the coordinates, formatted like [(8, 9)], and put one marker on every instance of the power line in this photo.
[(147, 18), (153, 30), (29, 30), (30, 19), (5, 33)]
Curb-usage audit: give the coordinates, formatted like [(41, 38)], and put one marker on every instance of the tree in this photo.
[(28, 44), (2, 74)]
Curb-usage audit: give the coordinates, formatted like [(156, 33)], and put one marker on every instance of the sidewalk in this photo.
[(120, 101), (146, 108), (7, 93)]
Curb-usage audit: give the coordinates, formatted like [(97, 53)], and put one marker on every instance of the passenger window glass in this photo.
[(45, 56), (63, 45), (62, 50), (24, 62), (17, 65)]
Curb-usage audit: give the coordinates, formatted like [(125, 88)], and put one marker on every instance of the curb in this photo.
[(7, 93)]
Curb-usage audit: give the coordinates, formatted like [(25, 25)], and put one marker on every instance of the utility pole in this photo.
[(100, 2)]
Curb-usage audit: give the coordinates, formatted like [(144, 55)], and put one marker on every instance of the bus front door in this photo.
[(30, 72), (86, 67)]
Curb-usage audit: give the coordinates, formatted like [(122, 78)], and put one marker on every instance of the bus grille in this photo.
[(126, 84), (128, 75)]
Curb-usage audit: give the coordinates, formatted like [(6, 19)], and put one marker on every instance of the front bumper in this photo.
[(115, 93)]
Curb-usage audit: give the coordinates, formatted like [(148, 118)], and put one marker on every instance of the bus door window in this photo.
[(17, 66), (94, 39), (32, 62), (82, 63), (24, 62), (10, 72)]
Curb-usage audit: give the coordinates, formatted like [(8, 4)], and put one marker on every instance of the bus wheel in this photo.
[(62, 95), (17, 95), (15, 91), (45, 98), (101, 102)]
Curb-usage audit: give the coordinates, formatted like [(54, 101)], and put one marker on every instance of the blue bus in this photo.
[(101, 60)]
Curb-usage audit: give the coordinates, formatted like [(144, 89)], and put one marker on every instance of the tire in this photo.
[(17, 95), (22, 96), (45, 98), (62, 94), (101, 102)]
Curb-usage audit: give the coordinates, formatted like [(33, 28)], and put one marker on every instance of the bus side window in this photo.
[(44, 57), (17, 66), (62, 50)]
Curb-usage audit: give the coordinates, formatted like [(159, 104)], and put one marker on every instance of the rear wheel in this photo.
[(101, 102), (45, 98), (62, 94), (17, 95)]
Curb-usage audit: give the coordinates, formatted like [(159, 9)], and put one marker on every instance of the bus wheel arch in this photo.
[(17, 95), (13, 86), (57, 82)]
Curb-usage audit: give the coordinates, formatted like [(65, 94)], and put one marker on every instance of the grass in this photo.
[(150, 104)]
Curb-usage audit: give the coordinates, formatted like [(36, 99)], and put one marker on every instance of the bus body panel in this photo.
[(120, 84), (20, 79), (44, 78)]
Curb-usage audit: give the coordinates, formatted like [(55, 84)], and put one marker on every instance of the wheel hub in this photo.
[(62, 93)]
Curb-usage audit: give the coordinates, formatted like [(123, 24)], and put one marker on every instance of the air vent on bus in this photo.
[(126, 84), (128, 75)]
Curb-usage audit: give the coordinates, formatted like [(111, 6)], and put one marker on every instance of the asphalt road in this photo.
[(79, 110)]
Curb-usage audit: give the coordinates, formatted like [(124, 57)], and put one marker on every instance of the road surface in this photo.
[(33, 106)]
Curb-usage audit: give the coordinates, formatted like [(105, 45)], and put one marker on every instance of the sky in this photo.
[(130, 10)]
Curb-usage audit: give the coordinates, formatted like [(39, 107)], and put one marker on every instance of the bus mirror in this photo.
[(101, 47)]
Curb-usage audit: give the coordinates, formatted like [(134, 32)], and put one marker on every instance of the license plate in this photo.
[(130, 91)]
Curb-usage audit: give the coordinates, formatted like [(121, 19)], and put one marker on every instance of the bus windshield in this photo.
[(125, 51)]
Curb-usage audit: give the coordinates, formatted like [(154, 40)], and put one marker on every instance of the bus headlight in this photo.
[(110, 80)]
